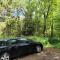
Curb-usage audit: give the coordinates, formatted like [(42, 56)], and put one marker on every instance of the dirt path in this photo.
[(47, 54)]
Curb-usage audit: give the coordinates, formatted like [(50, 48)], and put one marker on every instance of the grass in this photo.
[(45, 41), (57, 45)]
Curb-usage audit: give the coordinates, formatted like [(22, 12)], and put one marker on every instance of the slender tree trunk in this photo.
[(44, 29), (52, 29), (45, 18)]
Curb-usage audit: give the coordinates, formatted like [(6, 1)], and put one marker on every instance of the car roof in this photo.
[(17, 38), (6, 39)]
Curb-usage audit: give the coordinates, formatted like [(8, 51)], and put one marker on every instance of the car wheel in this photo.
[(38, 49), (5, 56)]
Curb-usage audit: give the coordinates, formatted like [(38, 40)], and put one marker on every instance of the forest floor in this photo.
[(46, 54)]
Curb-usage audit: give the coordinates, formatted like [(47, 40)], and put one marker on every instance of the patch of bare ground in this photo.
[(46, 54)]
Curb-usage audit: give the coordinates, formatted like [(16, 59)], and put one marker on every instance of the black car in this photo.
[(11, 48)]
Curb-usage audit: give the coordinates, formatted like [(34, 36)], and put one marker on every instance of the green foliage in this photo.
[(43, 40), (57, 25), (57, 45), (12, 28), (42, 18), (28, 28), (53, 42)]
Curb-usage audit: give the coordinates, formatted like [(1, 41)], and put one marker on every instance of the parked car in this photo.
[(11, 48)]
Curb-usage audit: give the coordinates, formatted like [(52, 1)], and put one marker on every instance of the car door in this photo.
[(28, 46), (22, 47), (13, 47)]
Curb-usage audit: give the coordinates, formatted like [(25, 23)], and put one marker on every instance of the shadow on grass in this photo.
[(54, 41)]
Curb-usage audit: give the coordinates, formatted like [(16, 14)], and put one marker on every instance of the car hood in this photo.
[(2, 46)]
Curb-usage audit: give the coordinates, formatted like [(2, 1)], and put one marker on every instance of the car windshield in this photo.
[(11, 41), (23, 39)]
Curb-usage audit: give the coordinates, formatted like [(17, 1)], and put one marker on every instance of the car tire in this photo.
[(5, 56), (38, 49)]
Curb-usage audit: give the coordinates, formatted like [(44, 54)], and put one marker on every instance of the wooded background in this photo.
[(30, 18)]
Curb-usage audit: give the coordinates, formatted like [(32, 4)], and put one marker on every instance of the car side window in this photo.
[(12, 41), (23, 41)]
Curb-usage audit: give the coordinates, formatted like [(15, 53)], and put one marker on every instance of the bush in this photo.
[(43, 40), (13, 27)]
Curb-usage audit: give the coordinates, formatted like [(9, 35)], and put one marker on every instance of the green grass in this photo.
[(57, 45), (45, 41)]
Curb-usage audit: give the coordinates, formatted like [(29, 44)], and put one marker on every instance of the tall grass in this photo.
[(43, 40)]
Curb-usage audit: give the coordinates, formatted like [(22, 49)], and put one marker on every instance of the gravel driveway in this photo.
[(47, 54)]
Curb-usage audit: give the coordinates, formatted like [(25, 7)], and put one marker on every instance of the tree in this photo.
[(28, 22), (47, 10)]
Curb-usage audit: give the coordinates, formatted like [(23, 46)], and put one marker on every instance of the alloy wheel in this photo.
[(38, 48), (5, 56)]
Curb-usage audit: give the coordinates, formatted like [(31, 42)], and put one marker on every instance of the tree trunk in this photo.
[(44, 29), (52, 29)]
